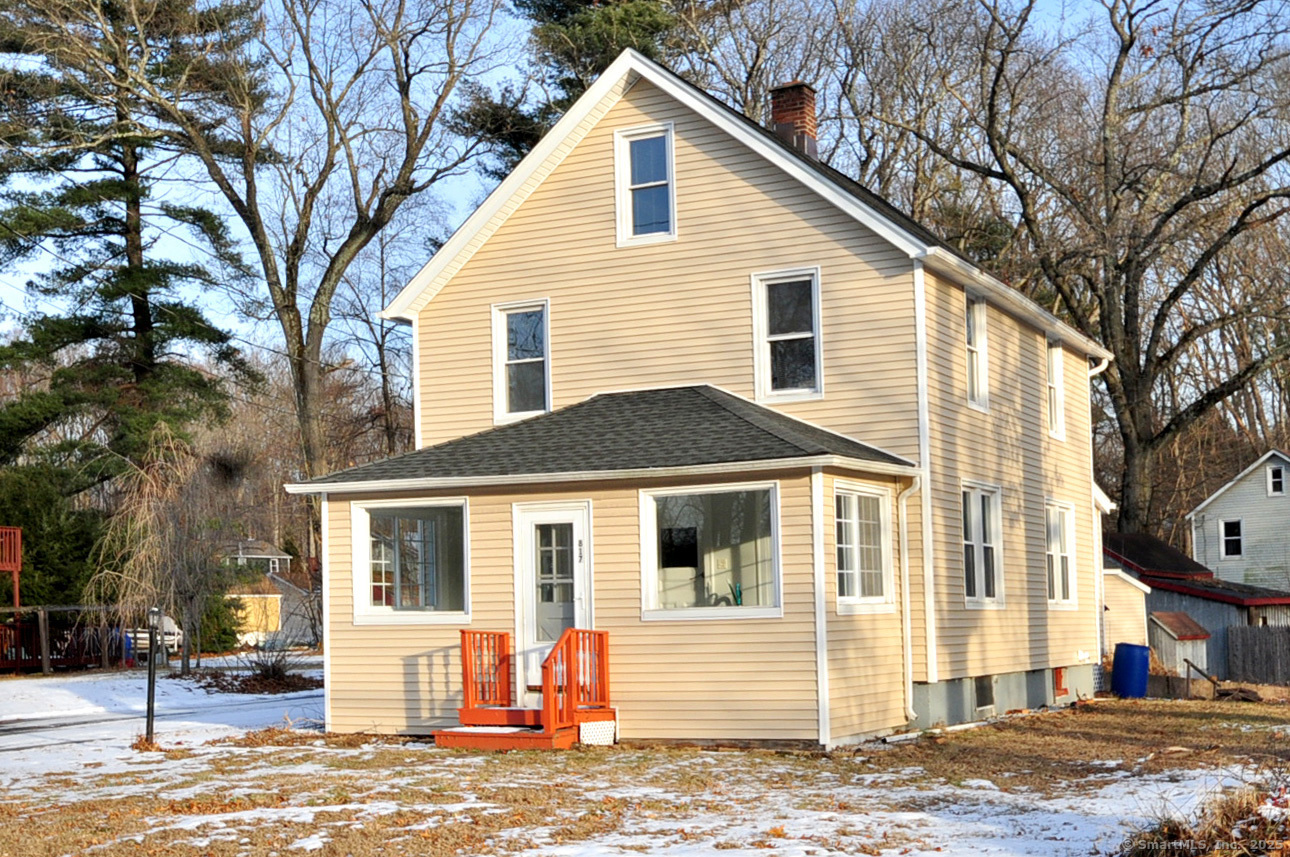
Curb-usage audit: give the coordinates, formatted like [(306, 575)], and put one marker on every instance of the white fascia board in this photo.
[(616, 80), (1102, 500), (1127, 578), (1237, 478), (433, 483), (1006, 297)]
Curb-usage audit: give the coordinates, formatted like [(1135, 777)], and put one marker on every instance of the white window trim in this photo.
[(1055, 369), (366, 613), (623, 180), (1067, 510), (649, 557), (856, 604), (1284, 473), (977, 305), (761, 338), (1222, 538), (980, 602), (500, 415)]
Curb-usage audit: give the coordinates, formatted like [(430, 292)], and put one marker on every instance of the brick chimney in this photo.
[(792, 116)]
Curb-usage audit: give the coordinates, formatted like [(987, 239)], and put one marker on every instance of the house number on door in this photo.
[(579, 550)]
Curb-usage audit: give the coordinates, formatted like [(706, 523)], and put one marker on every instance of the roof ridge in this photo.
[(758, 424)]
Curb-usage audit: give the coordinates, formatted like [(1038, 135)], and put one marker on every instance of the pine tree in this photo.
[(573, 41), (88, 195)]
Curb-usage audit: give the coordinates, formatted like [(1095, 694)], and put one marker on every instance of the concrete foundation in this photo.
[(964, 700)]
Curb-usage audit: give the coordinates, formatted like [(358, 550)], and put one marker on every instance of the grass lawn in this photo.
[(1074, 781)]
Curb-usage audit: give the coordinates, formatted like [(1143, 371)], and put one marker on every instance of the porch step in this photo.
[(531, 717), (505, 738)]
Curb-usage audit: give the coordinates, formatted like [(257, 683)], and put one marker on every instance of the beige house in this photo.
[(813, 475)]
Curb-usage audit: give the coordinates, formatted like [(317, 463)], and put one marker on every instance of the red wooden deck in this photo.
[(575, 690)]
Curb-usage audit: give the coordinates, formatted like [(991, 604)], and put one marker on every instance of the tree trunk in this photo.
[(1135, 489)]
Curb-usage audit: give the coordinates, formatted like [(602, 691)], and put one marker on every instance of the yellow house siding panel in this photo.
[(865, 661), (1126, 613), (678, 312), (1008, 446), (747, 679)]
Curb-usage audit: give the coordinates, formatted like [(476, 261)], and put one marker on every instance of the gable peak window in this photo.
[(1230, 532), (644, 176), (1276, 480), (521, 361), (1056, 392), (978, 365), (787, 323)]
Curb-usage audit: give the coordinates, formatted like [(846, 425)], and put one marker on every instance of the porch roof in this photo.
[(617, 434)]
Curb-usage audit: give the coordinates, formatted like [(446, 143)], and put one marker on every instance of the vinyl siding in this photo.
[(678, 312), (866, 667), (723, 679), (1125, 618), (1265, 535), (1008, 446)]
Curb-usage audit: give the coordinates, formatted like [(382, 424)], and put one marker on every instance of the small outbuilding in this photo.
[(1124, 609), (1176, 639)]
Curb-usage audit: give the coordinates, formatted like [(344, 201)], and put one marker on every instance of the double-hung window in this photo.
[(410, 562), (786, 307), (862, 530), (1276, 480), (978, 356), (1059, 522), (521, 361), (710, 552), (981, 525), (1230, 535), (646, 198), (1056, 392)]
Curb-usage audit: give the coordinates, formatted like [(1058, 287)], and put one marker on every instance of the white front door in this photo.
[(553, 583)]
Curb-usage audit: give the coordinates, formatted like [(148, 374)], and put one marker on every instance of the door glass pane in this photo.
[(553, 563)]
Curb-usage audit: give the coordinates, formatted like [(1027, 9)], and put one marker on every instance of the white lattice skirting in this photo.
[(601, 732)]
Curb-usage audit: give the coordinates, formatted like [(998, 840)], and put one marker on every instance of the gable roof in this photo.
[(618, 435), (1149, 555), (1223, 591), (1180, 626), (1238, 477), (836, 189)]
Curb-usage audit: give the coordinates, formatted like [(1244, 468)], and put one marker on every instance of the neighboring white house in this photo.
[(1242, 530)]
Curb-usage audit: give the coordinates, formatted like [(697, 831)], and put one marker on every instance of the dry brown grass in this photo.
[(377, 795)]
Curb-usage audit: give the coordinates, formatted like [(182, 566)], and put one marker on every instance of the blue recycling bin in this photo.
[(1129, 670)]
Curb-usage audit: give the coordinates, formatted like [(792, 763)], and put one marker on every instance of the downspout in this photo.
[(906, 621)]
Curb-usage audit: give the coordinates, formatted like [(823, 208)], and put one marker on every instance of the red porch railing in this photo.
[(575, 675), (11, 557), (486, 668)]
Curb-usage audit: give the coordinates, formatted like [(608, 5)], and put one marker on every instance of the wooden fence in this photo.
[(43, 638), (1259, 654)]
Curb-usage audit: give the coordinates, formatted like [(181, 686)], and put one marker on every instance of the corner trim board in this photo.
[(821, 615)]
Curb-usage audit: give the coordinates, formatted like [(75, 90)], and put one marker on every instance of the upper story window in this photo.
[(978, 363), (521, 360), (1056, 392), (1232, 545), (786, 308), (409, 562), (711, 552), (1276, 480), (645, 186), (1059, 521), (981, 525), (863, 547)]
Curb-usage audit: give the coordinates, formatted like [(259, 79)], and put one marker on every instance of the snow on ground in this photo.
[(54, 724)]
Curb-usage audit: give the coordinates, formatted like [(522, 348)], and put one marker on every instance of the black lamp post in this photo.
[(154, 620)]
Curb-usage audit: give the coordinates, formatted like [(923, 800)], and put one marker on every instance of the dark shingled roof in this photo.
[(1147, 554), (1181, 626), (643, 429), (1214, 589)]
